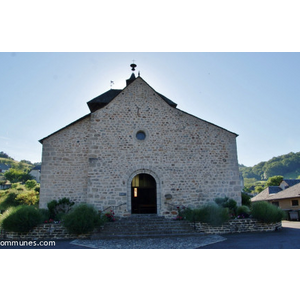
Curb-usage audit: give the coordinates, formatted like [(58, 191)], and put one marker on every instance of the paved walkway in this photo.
[(190, 242), (286, 238)]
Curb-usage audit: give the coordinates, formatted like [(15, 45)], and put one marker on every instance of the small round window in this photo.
[(141, 135)]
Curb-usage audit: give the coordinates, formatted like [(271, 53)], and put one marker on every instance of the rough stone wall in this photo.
[(43, 231), (237, 226), (57, 231), (95, 159), (191, 159), (64, 164)]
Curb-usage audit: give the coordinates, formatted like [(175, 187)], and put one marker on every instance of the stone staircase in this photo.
[(138, 226)]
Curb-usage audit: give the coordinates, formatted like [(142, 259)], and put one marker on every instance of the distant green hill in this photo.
[(16, 164), (287, 165), (22, 165)]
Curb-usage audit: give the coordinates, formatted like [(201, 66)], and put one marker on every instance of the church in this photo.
[(137, 153)]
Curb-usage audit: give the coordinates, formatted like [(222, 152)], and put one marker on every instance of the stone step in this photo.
[(144, 226), (98, 236), (148, 231)]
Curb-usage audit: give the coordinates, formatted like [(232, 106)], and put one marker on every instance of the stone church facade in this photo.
[(136, 153)]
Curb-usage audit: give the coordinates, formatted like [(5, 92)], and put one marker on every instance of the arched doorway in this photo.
[(143, 194)]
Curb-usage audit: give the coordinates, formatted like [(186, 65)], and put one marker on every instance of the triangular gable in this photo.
[(105, 98)]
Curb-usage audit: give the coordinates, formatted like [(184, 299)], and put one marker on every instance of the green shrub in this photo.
[(189, 214), (45, 214), (21, 218), (8, 199), (59, 208), (221, 201), (243, 210), (28, 197), (18, 194), (83, 218), (5, 214), (30, 184), (14, 175), (20, 188), (266, 212), (232, 207), (51, 207), (212, 214), (228, 203), (246, 199)]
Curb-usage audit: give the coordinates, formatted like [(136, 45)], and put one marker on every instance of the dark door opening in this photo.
[(143, 194)]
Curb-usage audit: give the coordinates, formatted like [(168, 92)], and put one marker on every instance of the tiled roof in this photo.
[(38, 167), (170, 102), (291, 192), (266, 193), (290, 182), (261, 196), (103, 99), (274, 189)]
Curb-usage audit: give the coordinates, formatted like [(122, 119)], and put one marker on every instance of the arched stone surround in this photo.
[(158, 187)]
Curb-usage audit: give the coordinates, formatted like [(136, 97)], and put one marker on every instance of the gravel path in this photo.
[(189, 242)]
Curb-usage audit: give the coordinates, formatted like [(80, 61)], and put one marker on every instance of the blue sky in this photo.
[(255, 95)]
